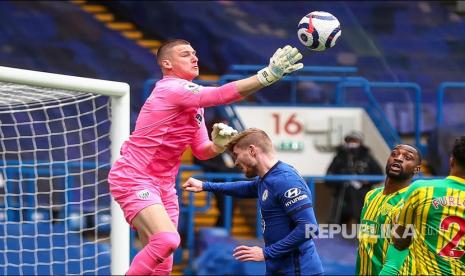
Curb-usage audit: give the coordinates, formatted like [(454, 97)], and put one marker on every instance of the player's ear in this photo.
[(166, 63), (251, 150), (417, 169)]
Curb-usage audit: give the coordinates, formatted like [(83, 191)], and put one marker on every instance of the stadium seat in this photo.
[(2, 214), (96, 256), (215, 249), (211, 235), (76, 222), (37, 215), (94, 51), (103, 222), (217, 259)]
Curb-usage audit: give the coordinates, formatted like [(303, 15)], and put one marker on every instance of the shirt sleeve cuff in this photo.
[(206, 186), (266, 253)]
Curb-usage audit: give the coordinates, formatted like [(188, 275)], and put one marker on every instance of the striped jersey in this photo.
[(376, 220), (436, 210)]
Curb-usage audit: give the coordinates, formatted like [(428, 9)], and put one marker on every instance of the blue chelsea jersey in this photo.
[(285, 204)]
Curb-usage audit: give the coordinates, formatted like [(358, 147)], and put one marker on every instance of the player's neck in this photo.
[(457, 172), (461, 175), (267, 163), (171, 74), (391, 186)]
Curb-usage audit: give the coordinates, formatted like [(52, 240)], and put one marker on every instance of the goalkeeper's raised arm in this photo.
[(178, 61), (172, 119), (282, 62)]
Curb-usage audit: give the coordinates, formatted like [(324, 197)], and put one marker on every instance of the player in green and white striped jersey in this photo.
[(435, 210), (380, 208)]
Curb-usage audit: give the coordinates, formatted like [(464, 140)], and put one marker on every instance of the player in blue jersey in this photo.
[(285, 203)]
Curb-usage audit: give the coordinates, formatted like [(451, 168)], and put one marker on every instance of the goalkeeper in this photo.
[(142, 180)]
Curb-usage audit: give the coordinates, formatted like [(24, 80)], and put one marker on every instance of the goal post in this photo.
[(29, 92)]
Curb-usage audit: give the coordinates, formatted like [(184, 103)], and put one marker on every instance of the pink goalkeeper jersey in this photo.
[(170, 121)]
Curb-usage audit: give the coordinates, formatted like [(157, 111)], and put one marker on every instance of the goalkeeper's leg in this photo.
[(165, 267), (171, 203), (160, 239)]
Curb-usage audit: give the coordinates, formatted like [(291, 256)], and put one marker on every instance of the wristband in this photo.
[(265, 77)]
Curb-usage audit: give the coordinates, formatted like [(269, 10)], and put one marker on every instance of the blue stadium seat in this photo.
[(94, 51), (103, 222), (37, 215), (96, 256), (217, 259), (93, 258), (46, 249), (215, 248), (76, 221), (211, 235)]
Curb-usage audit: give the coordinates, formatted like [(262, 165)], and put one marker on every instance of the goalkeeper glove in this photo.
[(282, 62), (222, 134)]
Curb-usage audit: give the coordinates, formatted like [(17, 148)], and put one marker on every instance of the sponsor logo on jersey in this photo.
[(265, 195), (368, 227), (385, 209), (194, 88), (144, 194), (292, 192), (295, 199)]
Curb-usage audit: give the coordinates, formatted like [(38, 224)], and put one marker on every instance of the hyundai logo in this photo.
[(292, 192)]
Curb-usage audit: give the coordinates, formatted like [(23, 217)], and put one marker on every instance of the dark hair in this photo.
[(168, 45), (458, 151), (418, 153)]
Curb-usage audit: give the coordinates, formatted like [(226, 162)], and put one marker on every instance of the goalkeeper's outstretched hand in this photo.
[(282, 62), (222, 134)]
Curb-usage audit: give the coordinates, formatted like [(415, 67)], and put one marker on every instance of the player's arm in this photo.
[(242, 189), (284, 61), (300, 210), (284, 246), (398, 250), (305, 228), (203, 148), (358, 261), (301, 217)]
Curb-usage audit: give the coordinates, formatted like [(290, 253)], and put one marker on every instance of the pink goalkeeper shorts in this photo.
[(134, 194)]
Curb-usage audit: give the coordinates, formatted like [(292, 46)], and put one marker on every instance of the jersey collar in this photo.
[(457, 179), (272, 168), (396, 192)]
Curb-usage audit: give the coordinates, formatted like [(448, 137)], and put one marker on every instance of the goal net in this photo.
[(59, 135)]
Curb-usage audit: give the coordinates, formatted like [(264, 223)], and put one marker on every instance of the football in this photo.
[(319, 30)]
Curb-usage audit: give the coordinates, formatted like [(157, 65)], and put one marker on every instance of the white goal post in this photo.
[(119, 128)]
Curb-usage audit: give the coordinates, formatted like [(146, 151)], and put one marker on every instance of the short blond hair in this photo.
[(167, 46), (251, 136)]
